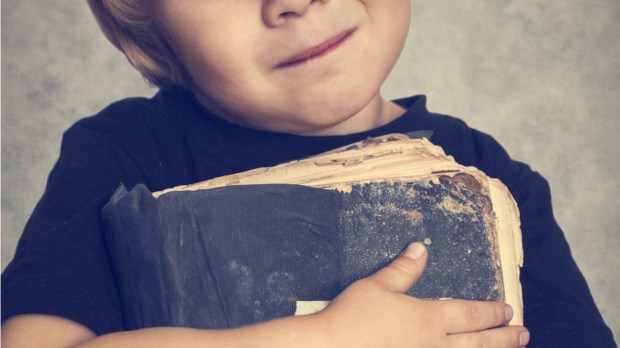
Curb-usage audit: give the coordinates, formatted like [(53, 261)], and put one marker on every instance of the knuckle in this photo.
[(363, 284), (368, 285), (403, 269), (485, 342), (509, 339), (513, 340), (475, 316)]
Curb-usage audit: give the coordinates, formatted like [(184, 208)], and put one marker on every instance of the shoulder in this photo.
[(126, 114), (471, 147), (468, 146), (134, 123)]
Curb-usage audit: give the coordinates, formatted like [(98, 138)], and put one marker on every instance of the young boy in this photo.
[(247, 84)]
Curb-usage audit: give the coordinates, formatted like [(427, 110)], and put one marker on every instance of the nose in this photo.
[(278, 12)]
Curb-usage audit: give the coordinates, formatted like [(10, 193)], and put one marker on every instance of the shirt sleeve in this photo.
[(61, 266), (559, 308)]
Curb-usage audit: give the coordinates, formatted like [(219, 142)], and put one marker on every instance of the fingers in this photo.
[(510, 336), (404, 271), (467, 316)]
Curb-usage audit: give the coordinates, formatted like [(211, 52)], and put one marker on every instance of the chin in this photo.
[(337, 118)]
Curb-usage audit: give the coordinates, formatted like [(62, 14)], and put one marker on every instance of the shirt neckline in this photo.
[(415, 106)]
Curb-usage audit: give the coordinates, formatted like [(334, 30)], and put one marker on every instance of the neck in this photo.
[(377, 113)]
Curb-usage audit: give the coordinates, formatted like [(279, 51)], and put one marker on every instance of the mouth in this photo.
[(317, 51)]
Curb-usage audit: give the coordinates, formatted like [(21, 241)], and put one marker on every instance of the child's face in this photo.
[(298, 66)]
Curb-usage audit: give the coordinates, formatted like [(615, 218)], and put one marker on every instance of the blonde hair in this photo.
[(129, 25)]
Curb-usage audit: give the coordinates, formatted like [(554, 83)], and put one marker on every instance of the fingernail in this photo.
[(508, 312), (414, 251), (524, 338)]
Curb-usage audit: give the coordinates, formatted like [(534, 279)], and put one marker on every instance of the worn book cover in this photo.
[(285, 240)]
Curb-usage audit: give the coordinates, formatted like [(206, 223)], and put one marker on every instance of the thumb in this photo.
[(404, 271)]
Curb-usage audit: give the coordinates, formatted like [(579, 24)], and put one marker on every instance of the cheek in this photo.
[(221, 69), (396, 7), (390, 22), (398, 17), (213, 42), (391, 15)]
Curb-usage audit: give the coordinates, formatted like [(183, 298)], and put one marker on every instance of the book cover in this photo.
[(268, 243)]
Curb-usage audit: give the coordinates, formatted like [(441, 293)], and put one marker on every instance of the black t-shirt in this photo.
[(62, 267)]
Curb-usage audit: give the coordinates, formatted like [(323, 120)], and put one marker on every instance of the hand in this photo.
[(374, 312)]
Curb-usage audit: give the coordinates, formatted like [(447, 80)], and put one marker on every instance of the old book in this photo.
[(276, 241)]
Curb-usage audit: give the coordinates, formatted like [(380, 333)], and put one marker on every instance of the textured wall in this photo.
[(542, 76)]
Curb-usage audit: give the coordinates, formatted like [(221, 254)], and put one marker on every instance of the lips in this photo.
[(317, 51)]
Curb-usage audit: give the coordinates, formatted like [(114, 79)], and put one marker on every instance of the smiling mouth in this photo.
[(317, 51)]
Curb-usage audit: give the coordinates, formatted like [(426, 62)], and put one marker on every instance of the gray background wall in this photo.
[(542, 76)]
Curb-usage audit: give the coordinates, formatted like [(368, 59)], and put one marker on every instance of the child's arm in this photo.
[(372, 312)]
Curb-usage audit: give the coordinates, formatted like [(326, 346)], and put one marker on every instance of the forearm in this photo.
[(371, 312), (287, 332)]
